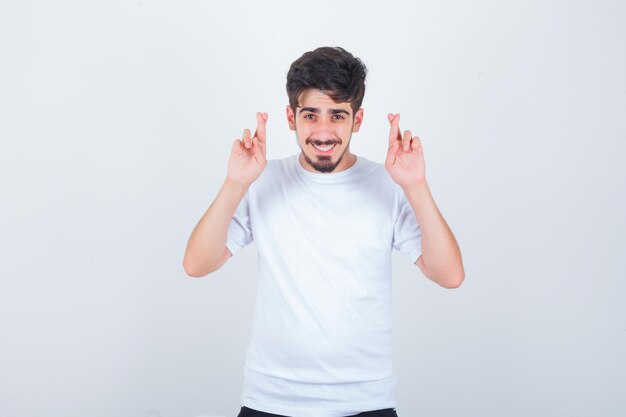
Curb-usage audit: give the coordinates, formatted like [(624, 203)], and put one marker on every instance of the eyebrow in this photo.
[(317, 111)]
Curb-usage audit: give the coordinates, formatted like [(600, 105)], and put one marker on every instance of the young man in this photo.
[(324, 222)]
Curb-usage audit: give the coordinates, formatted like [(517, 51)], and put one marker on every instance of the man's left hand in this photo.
[(405, 157)]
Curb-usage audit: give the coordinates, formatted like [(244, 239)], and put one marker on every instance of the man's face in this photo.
[(324, 128)]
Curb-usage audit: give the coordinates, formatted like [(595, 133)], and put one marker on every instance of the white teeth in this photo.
[(324, 148)]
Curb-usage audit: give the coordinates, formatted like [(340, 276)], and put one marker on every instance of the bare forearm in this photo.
[(441, 255), (207, 243)]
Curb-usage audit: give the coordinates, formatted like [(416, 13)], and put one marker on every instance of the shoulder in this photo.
[(375, 171), (368, 165), (280, 167), (276, 171), (281, 163), (379, 181)]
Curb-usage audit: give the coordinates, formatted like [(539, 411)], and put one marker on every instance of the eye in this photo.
[(309, 116), (338, 117)]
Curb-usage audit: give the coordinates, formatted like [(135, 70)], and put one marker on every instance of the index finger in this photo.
[(261, 119), (394, 128)]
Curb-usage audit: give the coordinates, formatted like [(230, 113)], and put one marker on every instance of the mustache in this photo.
[(323, 142)]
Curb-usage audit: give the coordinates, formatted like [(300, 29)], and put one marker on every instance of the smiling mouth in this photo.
[(324, 148)]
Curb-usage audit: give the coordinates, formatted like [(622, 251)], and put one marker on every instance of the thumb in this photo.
[(237, 146)]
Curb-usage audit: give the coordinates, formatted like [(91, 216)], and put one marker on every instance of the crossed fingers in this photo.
[(406, 141), (259, 134)]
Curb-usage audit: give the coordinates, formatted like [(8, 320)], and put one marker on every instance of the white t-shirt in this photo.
[(322, 331)]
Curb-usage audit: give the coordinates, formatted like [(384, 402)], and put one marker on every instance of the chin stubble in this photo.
[(324, 163)]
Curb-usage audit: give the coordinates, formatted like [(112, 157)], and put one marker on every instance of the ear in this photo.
[(291, 118), (358, 119)]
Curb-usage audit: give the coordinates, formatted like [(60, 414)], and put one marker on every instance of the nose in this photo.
[(324, 129)]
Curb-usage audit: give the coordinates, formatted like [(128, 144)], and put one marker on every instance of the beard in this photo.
[(323, 163)]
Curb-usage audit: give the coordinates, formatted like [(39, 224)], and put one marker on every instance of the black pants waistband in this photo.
[(249, 412)]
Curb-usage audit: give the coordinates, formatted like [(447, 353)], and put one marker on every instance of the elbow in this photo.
[(194, 271), (201, 266), (195, 274), (453, 280), (450, 278)]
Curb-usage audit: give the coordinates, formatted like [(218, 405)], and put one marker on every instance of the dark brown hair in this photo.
[(334, 71)]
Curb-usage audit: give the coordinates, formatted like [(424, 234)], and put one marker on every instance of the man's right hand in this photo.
[(247, 158)]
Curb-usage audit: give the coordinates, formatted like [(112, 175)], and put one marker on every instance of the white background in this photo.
[(116, 119)]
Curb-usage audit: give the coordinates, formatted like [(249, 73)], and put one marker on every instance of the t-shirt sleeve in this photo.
[(239, 231), (407, 236)]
